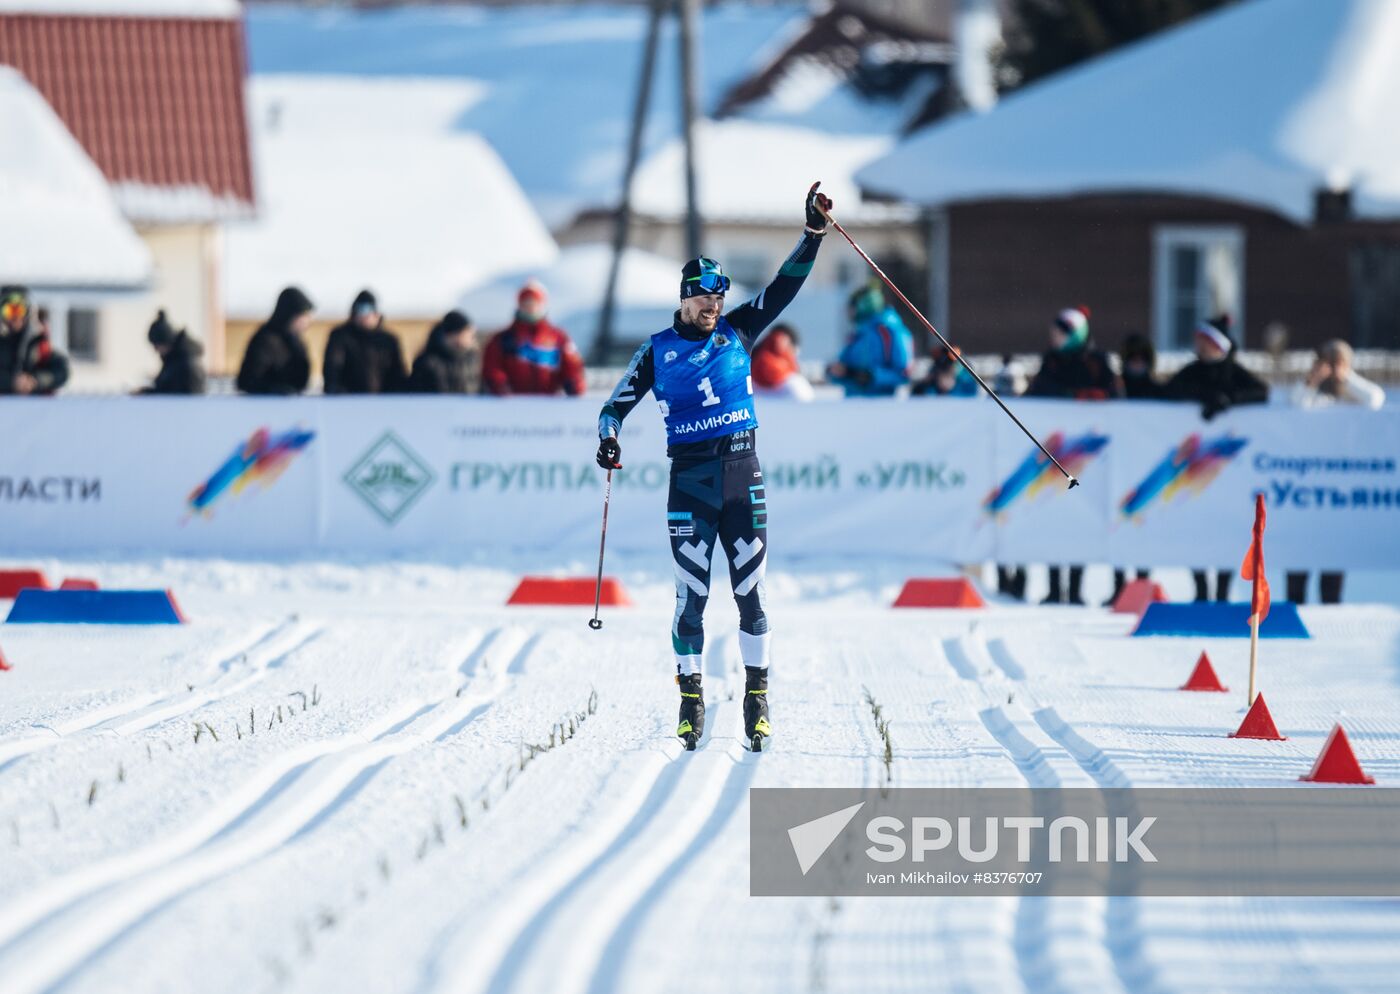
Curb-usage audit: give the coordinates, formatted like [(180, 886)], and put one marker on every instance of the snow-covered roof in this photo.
[(362, 182), (61, 225), (561, 78), (648, 290), (1260, 103), (125, 8), (755, 171)]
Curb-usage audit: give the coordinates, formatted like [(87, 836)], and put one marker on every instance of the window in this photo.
[(82, 334), (1198, 272)]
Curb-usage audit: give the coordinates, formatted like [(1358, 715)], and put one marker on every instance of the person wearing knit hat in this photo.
[(532, 355), (878, 354), (1075, 369), (1217, 382), (181, 368), (363, 356), (701, 372), (29, 364), (276, 362), (451, 360)]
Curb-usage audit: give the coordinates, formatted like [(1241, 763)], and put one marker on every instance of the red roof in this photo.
[(156, 102)]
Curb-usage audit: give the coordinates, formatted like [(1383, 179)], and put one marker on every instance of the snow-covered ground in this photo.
[(354, 777)]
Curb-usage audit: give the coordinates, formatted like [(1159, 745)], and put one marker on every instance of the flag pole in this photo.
[(1253, 656)]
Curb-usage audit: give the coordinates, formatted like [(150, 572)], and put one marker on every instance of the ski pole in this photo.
[(596, 622), (955, 353)]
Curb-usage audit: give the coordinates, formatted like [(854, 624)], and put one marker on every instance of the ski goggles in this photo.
[(694, 286), (14, 309)]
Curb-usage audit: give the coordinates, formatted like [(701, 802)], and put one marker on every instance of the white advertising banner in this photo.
[(949, 480)]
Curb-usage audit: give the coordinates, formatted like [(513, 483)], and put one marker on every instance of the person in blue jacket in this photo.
[(699, 371), (877, 356)]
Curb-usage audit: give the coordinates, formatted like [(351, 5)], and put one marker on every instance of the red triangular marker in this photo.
[(4, 664), (1336, 763), (1203, 677), (1258, 724)]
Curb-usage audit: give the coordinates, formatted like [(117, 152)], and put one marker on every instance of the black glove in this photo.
[(860, 377), (816, 203), (1215, 404), (609, 454)]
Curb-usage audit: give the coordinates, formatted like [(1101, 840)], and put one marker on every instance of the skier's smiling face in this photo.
[(702, 310)]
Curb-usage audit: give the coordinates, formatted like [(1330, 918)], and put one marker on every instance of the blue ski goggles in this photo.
[(694, 286)]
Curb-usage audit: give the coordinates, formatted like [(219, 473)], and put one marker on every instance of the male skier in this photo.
[(699, 370)]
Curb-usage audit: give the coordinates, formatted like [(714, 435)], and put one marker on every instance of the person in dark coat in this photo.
[(1072, 368), (1217, 382), (276, 361), (451, 360), (29, 364), (1139, 360), (362, 356), (181, 369)]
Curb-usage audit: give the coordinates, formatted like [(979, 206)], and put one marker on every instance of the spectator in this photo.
[(1331, 381), (946, 378), (181, 371), (1010, 380), (362, 356), (776, 371), (29, 364), (276, 361), (1072, 368), (532, 356), (1217, 382), (1139, 360), (877, 356), (451, 360)]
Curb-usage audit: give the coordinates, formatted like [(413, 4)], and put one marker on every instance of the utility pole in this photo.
[(623, 219), (689, 67)]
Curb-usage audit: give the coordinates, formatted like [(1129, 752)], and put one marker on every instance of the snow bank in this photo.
[(562, 78), (363, 181), (1262, 104), (756, 171), (61, 224)]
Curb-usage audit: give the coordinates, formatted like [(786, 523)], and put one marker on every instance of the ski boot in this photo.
[(756, 727), (692, 723)]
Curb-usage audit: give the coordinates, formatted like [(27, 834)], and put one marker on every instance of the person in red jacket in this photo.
[(532, 356)]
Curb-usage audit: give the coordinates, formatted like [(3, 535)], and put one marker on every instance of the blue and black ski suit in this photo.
[(717, 497)]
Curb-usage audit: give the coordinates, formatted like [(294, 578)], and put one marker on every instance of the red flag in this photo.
[(1253, 566)]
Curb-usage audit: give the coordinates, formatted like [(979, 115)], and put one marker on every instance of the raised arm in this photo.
[(751, 318)]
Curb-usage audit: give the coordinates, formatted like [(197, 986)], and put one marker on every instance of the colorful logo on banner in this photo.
[(1036, 472), (1190, 466), (389, 477), (261, 460)]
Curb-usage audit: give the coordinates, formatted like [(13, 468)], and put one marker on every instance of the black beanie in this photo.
[(693, 270), (161, 331), (362, 298), (291, 302), (454, 321)]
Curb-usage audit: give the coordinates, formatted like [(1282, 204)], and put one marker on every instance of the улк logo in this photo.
[(389, 477)]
